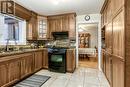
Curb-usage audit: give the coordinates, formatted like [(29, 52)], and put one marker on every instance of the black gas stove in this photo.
[(57, 59)]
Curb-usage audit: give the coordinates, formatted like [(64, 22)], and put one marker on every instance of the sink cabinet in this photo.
[(15, 67)]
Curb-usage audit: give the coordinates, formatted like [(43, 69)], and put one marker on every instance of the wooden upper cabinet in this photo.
[(118, 35), (65, 23), (22, 12), (117, 5), (61, 23), (42, 27), (72, 26), (32, 27), (108, 37), (109, 11)]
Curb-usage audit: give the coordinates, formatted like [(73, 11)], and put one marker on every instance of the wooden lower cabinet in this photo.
[(118, 72), (71, 60), (18, 66), (109, 68), (38, 60), (3, 74), (26, 65), (13, 70), (45, 58)]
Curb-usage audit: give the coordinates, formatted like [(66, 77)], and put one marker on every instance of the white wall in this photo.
[(94, 18)]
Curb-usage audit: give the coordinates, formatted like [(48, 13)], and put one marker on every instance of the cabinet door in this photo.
[(26, 65), (3, 74), (118, 72), (38, 60), (42, 27), (108, 37), (109, 68), (32, 28), (51, 27), (72, 26), (45, 58), (116, 5), (65, 23), (13, 70), (58, 24), (118, 35), (71, 61)]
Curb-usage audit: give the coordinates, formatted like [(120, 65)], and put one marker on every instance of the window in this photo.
[(12, 30)]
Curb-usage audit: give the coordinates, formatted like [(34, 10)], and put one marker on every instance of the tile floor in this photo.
[(82, 77)]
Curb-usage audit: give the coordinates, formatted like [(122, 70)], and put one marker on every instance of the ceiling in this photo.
[(53, 7)]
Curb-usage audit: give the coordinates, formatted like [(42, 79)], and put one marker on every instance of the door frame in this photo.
[(99, 43)]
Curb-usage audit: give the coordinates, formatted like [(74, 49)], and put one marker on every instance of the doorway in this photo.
[(88, 45)]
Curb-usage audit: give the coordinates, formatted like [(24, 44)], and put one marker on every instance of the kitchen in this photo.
[(39, 45)]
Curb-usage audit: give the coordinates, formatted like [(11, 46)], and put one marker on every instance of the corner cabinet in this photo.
[(61, 23)]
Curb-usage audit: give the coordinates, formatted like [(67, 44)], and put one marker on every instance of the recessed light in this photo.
[(55, 2)]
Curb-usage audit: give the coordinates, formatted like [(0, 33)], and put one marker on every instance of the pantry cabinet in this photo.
[(118, 34), (117, 41), (108, 61), (118, 72)]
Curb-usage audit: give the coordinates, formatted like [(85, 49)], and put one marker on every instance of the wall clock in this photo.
[(87, 18)]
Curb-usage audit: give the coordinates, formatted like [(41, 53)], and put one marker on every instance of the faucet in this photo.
[(7, 43)]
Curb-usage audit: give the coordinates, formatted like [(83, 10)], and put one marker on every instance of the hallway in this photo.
[(82, 77)]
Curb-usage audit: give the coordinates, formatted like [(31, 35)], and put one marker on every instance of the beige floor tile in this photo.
[(82, 77)]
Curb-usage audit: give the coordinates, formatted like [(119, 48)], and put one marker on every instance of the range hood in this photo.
[(60, 35)]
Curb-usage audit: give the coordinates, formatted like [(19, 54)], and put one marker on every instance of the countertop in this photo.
[(20, 52)]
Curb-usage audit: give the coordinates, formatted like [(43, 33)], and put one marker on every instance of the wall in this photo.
[(94, 18)]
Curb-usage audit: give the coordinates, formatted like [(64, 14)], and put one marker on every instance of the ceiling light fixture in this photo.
[(55, 2)]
